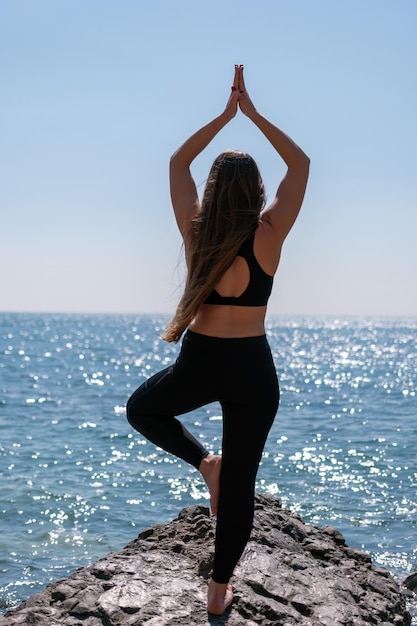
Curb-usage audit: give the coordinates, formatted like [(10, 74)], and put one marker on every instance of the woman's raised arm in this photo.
[(184, 195), (283, 211)]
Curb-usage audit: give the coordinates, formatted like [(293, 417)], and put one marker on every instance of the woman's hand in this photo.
[(245, 103), (239, 97), (231, 106)]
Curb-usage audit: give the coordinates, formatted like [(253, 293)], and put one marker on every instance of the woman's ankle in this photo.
[(219, 597)]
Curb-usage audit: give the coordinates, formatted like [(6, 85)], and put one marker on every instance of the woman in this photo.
[(232, 250)]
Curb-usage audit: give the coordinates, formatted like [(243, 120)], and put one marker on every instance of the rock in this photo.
[(291, 573), (411, 582)]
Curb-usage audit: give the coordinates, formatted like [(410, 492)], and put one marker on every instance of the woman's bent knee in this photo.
[(132, 413), (138, 418)]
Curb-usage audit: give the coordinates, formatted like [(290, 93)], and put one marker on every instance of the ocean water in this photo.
[(77, 482)]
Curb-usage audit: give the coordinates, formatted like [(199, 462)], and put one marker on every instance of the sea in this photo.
[(77, 482)]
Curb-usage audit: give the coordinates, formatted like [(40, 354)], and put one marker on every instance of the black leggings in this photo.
[(240, 374)]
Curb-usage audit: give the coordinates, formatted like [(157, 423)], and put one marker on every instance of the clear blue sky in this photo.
[(97, 94)]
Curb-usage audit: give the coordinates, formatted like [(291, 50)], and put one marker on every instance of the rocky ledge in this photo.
[(291, 573)]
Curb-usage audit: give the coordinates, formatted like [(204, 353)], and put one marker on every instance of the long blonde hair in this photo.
[(233, 199)]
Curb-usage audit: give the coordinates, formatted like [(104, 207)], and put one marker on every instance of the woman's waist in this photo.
[(228, 321)]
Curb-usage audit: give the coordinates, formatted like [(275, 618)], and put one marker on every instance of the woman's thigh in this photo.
[(173, 391)]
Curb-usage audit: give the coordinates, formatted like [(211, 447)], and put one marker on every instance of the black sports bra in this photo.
[(260, 283)]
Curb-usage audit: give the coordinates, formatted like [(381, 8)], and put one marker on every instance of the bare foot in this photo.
[(219, 597), (210, 468)]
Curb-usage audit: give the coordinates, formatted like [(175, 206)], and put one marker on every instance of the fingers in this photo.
[(238, 82), (236, 78), (235, 86), (241, 79), (236, 91), (232, 103)]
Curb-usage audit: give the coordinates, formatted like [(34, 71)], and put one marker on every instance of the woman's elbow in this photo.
[(304, 166), (300, 161), (177, 163), (305, 160)]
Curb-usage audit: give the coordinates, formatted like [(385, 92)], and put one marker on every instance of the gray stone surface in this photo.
[(290, 574)]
